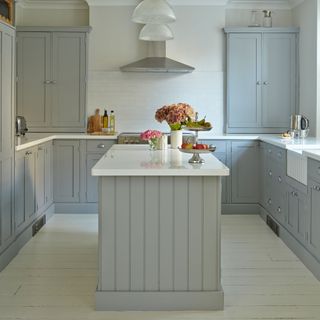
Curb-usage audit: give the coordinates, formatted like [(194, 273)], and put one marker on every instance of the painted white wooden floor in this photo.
[(54, 276)]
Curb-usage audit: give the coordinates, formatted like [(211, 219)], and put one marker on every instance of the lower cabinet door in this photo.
[(313, 221), (48, 174), (29, 184), (40, 178), (66, 167), (92, 182), (6, 202)]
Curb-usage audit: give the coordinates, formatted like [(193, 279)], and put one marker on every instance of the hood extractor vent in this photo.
[(157, 61)]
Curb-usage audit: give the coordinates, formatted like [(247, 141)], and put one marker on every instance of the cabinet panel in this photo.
[(6, 202), (92, 182), (40, 178), (245, 172), (49, 173), (33, 69), (223, 158), (314, 218), (244, 74), (66, 165), (29, 183), (279, 73), (69, 73)]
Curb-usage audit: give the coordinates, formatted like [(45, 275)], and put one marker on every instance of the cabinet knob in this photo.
[(47, 82), (269, 150), (101, 146), (265, 83), (28, 153), (53, 81), (279, 209), (270, 173), (279, 179), (258, 83), (269, 201)]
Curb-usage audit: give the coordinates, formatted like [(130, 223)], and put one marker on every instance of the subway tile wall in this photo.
[(135, 96)]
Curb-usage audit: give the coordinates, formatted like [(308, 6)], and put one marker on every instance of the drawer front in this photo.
[(99, 146), (314, 169), (221, 146), (277, 154), (274, 174)]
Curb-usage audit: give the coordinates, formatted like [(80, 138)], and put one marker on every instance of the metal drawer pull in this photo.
[(258, 83), (294, 194), (101, 146), (265, 83), (269, 201), (28, 153), (53, 81), (279, 209), (279, 179), (270, 173), (317, 188), (47, 82)]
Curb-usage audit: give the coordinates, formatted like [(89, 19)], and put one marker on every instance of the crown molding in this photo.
[(53, 4), (261, 4), (172, 2)]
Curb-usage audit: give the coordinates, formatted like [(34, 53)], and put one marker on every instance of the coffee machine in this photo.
[(299, 126)]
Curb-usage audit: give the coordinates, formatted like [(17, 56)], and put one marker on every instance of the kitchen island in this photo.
[(159, 230)]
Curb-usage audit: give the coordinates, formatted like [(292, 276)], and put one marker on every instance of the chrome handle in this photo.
[(269, 201), (279, 179), (47, 82), (258, 83), (316, 188), (279, 209), (53, 82), (28, 153), (270, 173), (265, 83), (294, 194), (101, 146)]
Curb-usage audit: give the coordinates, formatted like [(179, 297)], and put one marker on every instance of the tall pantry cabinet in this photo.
[(262, 79), (7, 54), (52, 78)]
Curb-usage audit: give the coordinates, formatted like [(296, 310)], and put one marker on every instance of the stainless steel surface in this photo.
[(157, 64), (299, 126), (21, 126), (134, 138)]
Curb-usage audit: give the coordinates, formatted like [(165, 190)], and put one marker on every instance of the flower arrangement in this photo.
[(176, 115), (152, 136)]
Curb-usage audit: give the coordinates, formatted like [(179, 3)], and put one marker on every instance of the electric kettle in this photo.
[(299, 126)]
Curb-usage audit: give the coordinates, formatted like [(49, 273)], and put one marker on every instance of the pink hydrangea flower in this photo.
[(150, 134)]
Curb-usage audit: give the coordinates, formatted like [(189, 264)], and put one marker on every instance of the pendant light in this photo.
[(156, 32), (153, 12)]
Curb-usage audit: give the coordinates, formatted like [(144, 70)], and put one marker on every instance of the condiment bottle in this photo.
[(105, 119), (112, 122)]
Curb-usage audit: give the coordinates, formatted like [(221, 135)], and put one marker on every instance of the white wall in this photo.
[(305, 16), (199, 41)]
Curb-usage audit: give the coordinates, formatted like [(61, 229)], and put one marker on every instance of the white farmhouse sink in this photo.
[(297, 166)]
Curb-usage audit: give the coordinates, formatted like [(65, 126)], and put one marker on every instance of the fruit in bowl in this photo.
[(201, 146), (187, 146)]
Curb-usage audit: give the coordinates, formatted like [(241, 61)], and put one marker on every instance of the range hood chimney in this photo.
[(157, 61)]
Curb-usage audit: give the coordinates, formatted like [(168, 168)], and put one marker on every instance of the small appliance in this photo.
[(299, 126), (21, 126)]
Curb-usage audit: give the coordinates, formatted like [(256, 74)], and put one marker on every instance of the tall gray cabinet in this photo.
[(52, 78), (7, 47), (261, 79)]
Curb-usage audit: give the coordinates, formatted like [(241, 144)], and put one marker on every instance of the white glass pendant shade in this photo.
[(156, 32), (153, 11)]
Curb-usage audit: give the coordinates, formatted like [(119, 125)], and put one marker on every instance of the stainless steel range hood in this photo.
[(157, 61)]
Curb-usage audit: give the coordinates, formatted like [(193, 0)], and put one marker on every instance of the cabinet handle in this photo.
[(53, 81), (47, 82), (316, 188), (258, 83), (40, 148), (265, 83), (279, 209), (269, 201), (269, 150), (101, 146), (28, 153), (279, 179), (270, 173)]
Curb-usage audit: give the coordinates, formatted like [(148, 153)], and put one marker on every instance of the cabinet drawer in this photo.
[(277, 154), (99, 146), (221, 146), (314, 169)]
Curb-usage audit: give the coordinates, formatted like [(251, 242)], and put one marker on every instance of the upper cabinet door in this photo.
[(244, 76), (69, 87), (279, 79), (33, 70)]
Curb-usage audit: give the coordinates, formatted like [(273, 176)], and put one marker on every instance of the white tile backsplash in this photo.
[(135, 96)]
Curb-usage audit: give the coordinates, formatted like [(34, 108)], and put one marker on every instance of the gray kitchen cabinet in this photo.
[(223, 158), (66, 167), (245, 157), (48, 174), (51, 78), (40, 173), (7, 75), (297, 214), (261, 79), (25, 189)]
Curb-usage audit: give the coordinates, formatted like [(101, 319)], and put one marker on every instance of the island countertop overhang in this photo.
[(138, 160)]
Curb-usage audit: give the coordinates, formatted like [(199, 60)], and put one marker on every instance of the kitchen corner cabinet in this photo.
[(261, 79), (7, 54), (51, 78)]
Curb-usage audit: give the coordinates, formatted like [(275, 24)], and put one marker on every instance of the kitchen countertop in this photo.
[(312, 154), (34, 139), (138, 160)]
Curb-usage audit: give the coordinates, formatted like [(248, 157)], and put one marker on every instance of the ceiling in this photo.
[(243, 4)]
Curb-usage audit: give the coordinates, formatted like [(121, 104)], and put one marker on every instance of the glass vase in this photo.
[(176, 139)]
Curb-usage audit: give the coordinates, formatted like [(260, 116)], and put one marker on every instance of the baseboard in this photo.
[(297, 248), (250, 208), (159, 301), (20, 240), (76, 208)]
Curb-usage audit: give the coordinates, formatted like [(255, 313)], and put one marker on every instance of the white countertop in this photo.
[(312, 154), (138, 160), (34, 139)]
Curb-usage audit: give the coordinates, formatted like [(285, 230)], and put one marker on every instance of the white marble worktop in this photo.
[(34, 139), (138, 160)]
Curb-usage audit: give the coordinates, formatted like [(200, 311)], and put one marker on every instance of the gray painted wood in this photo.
[(66, 167), (158, 234), (33, 70), (279, 79), (92, 182), (245, 172), (40, 178), (243, 76), (48, 173), (69, 72), (29, 183)]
